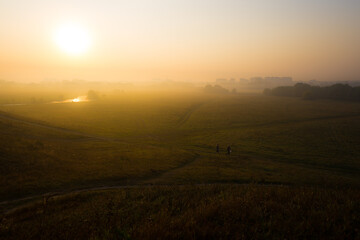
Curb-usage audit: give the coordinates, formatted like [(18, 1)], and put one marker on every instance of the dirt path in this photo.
[(44, 198), (10, 206), (169, 171), (187, 114)]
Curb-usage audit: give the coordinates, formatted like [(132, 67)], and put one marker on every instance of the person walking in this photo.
[(228, 150)]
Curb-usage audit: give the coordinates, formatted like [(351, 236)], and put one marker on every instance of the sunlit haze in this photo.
[(190, 40), (72, 39)]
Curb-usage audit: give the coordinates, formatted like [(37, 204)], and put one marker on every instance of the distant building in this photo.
[(243, 81), (256, 80), (221, 81), (232, 81), (278, 81)]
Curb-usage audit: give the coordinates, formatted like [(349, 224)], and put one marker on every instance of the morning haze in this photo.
[(179, 119), (182, 40)]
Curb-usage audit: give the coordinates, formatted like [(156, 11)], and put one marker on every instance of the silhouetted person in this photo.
[(217, 148), (228, 150)]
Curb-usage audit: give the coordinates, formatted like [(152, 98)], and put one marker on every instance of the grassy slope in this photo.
[(35, 160), (164, 139), (170, 139)]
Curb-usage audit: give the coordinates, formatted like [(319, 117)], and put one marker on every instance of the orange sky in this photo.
[(201, 40)]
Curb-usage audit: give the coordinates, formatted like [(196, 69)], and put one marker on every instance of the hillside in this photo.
[(107, 148)]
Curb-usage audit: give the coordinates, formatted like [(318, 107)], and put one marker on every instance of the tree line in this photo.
[(342, 92)]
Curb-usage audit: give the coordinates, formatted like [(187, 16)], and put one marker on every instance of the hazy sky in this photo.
[(182, 40)]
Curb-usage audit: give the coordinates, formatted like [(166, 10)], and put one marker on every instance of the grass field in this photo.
[(192, 212), (142, 138)]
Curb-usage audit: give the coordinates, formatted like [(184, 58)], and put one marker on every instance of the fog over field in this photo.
[(76, 137), (184, 119)]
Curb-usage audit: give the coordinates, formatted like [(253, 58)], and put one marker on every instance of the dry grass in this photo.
[(193, 212)]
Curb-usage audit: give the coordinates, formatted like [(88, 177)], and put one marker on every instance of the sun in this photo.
[(72, 39)]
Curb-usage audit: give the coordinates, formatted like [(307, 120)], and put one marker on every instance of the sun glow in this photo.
[(72, 39), (76, 100)]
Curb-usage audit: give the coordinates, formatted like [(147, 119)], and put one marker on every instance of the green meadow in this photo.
[(155, 141)]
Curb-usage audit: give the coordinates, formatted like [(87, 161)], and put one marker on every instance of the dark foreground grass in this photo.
[(192, 212)]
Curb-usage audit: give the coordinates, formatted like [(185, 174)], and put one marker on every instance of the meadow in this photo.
[(167, 138), (192, 212)]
